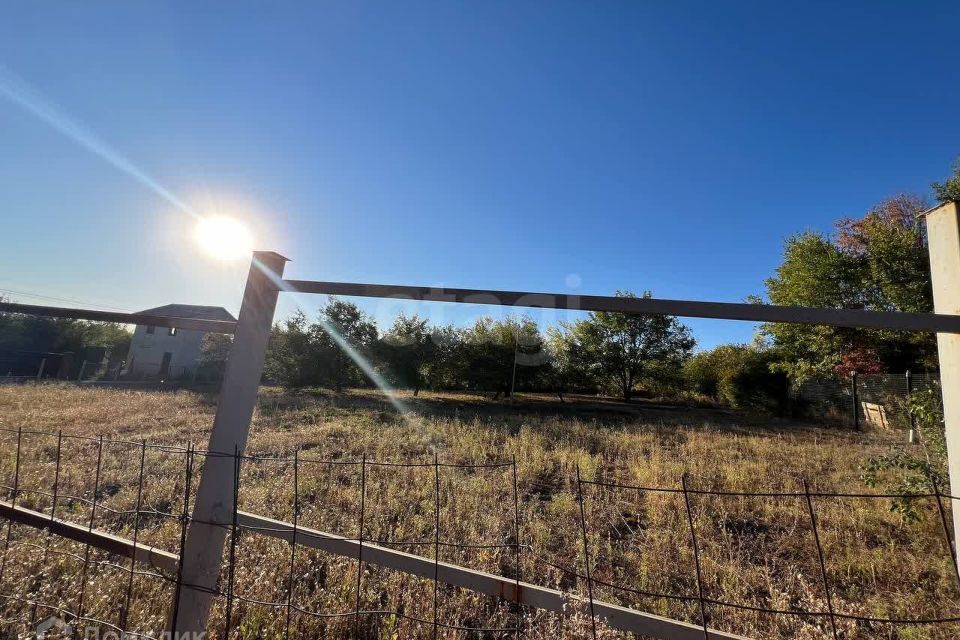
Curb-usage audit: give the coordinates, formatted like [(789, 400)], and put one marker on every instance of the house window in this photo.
[(173, 331), (150, 329)]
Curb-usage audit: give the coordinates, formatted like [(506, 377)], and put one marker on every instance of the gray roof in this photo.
[(190, 311)]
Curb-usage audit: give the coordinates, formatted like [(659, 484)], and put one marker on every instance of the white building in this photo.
[(167, 352)]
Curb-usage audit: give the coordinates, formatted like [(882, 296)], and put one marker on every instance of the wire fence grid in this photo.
[(94, 509), (865, 400)]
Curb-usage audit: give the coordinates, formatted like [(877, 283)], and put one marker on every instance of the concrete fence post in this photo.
[(213, 508), (943, 237), (43, 365)]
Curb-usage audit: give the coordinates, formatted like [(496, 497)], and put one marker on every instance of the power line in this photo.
[(71, 300)]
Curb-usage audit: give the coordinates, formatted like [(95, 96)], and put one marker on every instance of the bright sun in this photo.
[(223, 237)]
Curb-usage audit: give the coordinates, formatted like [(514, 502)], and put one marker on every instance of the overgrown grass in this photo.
[(755, 551)]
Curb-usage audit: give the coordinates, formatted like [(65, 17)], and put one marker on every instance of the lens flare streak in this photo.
[(20, 93), (365, 366)]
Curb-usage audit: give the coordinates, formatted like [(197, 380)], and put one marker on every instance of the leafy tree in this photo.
[(566, 371), (739, 376), (492, 346), (342, 327), (22, 332), (292, 356), (875, 262), (949, 189), (620, 350), (214, 352), (405, 351), (901, 470), (302, 354), (448, 363)]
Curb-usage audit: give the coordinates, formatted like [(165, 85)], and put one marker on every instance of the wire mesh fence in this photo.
[(156, 509), (275, 587), (864, 400)]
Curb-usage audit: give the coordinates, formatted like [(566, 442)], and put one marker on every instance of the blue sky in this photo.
[(558, 146)]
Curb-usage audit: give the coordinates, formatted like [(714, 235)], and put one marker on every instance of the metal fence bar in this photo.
[(194, 324), (895, 320), (157, 558)]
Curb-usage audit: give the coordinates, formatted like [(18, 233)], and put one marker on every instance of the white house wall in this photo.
[(146, 351)]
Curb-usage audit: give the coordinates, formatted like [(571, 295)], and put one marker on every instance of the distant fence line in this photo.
[(874, 400)]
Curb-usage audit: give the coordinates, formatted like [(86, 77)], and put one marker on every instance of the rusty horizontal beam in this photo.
[(108, 542), (894, 320), (623, 618), (193, 324)]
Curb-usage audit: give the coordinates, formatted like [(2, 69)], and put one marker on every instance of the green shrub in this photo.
[(739, 376), (912, 471)]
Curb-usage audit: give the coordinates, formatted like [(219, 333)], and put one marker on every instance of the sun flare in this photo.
[(223, 237)]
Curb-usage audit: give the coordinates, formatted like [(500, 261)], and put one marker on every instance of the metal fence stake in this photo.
[(586, 555), (93, 517), (518, 547), (234, 530), (823, 563), (855, 399), (238, 397), (184, 519), (912, 437), (53, 515), (436, 543), (946, 528), (293, 539), (13, 501), (363, 506), (696, 557), (125, 615)]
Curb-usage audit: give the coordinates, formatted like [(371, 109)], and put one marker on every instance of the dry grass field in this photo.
[(755, 551)]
